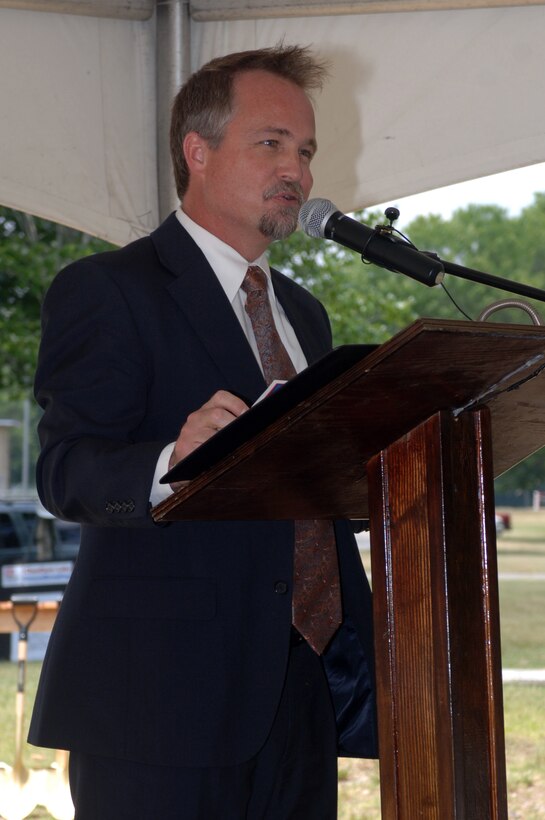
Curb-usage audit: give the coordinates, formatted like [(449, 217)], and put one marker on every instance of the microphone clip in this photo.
[(391, 213)]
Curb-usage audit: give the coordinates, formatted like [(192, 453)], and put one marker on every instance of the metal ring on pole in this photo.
[(511, 303)]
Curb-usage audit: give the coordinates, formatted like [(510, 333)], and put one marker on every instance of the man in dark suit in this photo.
[(174, 673)]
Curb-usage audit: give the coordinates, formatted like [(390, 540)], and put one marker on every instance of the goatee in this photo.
[(280, 224)]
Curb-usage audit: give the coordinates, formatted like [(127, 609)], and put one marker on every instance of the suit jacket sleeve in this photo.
[(92, 382)]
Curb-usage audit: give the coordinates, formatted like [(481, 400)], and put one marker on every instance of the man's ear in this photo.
[(195, 150)]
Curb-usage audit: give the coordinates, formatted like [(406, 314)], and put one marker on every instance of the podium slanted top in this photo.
[(304, 454)]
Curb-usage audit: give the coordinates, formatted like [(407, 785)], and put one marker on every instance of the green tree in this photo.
[(32, 250), (368, 304), (365, 303), (485, 238)]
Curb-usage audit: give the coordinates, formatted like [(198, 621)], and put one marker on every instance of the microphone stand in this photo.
[(487, 279), (391, 213)]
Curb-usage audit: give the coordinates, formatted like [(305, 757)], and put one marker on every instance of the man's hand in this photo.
[(218, 412)]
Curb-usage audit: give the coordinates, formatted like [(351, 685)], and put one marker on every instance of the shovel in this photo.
[(16, 798), (22, 789)]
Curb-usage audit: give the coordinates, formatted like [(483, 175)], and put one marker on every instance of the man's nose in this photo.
[(292, 166)]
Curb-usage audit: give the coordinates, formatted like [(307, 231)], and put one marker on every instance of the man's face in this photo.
[(250, 187)]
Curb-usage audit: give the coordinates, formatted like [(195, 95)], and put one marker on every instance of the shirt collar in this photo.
[(228, 265)]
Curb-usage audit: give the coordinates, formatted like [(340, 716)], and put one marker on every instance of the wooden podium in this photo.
[(410, 436)]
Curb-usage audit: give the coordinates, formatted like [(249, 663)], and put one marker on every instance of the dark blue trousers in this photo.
[(293, 777)]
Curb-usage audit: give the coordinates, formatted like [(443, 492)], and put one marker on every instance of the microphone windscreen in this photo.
[(314, 215)]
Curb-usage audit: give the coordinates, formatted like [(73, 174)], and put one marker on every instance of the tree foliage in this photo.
[(485, 238), (365, 303), (32, 250), (368, 304)]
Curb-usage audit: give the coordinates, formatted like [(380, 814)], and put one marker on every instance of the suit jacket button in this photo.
[(280, 587)]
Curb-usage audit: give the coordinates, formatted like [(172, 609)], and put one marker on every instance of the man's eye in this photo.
[(271, 143), (307, 153)]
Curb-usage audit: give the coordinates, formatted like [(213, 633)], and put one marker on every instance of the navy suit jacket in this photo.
[(172, 641)]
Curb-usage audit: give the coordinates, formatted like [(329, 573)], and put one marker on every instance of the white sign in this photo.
[(47, 573)]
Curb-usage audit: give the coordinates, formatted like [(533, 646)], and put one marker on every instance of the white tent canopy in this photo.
[(417, 100)]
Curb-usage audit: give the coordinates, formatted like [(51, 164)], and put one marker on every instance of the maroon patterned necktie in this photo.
[(317, 611)]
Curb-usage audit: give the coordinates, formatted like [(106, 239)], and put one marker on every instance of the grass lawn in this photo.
[(522, 602), (525, 751), (521, 550)]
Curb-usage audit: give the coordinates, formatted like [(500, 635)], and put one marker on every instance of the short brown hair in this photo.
[(204, 102)]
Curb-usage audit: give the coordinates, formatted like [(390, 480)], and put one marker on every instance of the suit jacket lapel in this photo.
[(313, 344), (200, 296)]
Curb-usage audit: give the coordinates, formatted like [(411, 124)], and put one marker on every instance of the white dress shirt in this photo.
[(230, 268)]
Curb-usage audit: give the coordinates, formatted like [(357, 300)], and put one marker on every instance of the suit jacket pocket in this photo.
[(151, 598)]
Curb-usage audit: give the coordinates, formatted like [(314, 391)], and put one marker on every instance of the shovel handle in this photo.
[(24, 601)]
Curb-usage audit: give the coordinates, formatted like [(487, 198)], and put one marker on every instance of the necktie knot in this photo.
[(255, 280), (275, 360)]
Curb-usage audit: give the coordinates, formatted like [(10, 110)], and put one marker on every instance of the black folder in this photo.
[(268, 410)]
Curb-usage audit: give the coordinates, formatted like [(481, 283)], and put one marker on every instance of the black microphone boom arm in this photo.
[(493, 281)]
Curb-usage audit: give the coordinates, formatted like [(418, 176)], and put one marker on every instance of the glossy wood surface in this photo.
[(437, 640), (311, 462)]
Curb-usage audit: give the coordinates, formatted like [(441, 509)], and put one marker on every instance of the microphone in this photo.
[(320, 218)]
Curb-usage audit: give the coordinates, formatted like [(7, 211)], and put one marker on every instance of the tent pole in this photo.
[(173, 67)]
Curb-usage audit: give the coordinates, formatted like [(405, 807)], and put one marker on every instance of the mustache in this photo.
[(289, 188)]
